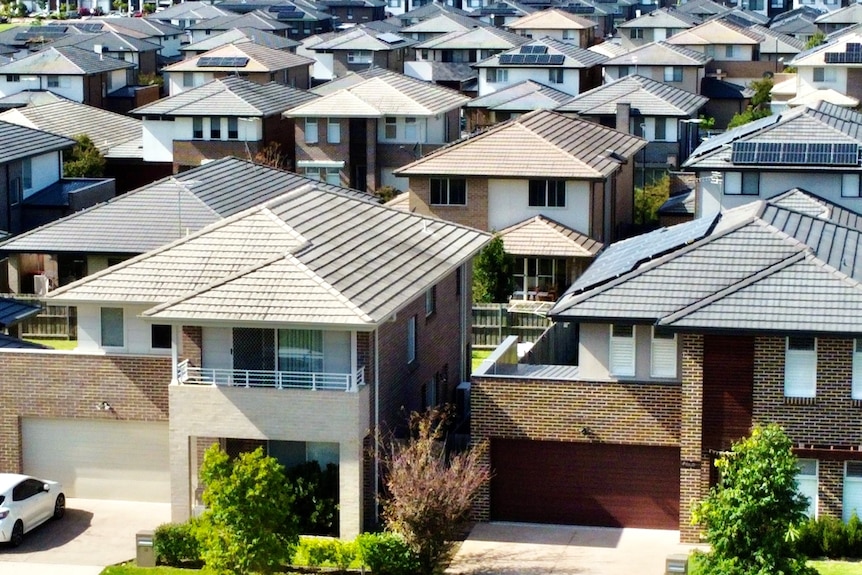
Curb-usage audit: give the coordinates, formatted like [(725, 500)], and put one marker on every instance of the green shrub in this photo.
[(325, 552), (386, 554), (315, 493), (830, 537), (834, 537), (854, 537), (810, 540), (175, 545)]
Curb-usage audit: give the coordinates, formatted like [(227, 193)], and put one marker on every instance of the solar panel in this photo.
[(852, 55), (390, 38), (534, 49), (795, 153), (557, 59), (580, 9), (288, 15), (532, 59), (227, 62)]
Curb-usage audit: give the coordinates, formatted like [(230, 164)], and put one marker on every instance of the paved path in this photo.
[(528, 549)]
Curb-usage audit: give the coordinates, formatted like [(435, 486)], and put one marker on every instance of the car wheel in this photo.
[(17, 534), (60, 507)]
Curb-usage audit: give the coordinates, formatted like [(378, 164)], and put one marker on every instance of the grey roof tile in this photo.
[(66, 60), (646, 97), (21, 142)]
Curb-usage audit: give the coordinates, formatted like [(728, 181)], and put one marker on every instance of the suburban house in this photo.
[(167, 36), (367, 124), (559, 64), (74, 73), (254, 62), (688, 336), (117, 137), (704, 9), (359, 48), (437, 25), (467, 47), (185, 14), (420, 11), (811, 147), (673, 65), (566, 182), (354, 11), (558, 24), (257, 19), (301, 349), (834, 65), (239, 35), (32, 188), (225, 117), (835, 20), (511, 102), (655, 26), (726, 99), (652, 110), (141, 53), (799, 23), (500, 13)]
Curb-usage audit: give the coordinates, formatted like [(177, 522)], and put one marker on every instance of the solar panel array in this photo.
[(852, 55), (580, 9), (37, 35), (227, 62), (390, 38), (286, 12), (533, 59), (795, 153), (534, 49)]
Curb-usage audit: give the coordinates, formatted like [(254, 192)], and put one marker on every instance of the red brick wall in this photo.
[(281, 130), (474, 214), (191, 344), (71, 385), (193, 152)]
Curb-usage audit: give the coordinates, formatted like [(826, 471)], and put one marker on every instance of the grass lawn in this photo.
[(4, 27), (479, 355), (132, 569), (837, 567), (65, 344)]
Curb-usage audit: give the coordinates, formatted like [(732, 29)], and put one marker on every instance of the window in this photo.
[(547, 194), (411, 129), (448, 191), (215, 128), (27, 174), (53, 81), (806, 483), (852, 489), (800, 367), (112, 327), (622, 351), (333, 131), (709, 50), (311, 130), (539, 278), (333, 176), (555, 75), (188, 79), (496, 75), (300, 350), (359, 57), (673, 73), (623, 71), (825, 75), (27, 489), (390, 128), (197, 128), (729, 51), (636, 33), (394, 3), (430, 300), (856, 387), (411, 339), (13, 78), (424, 54), (741, 183), (570, 35), (663, 354), (660, 129), (15, 191), (232, 129), (850, 186), (160, 336)]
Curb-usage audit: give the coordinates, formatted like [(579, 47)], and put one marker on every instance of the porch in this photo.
[(314, 381)]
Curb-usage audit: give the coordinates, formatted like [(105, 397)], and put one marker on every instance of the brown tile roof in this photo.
[(542, 236)]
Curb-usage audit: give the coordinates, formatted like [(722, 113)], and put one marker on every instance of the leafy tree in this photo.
[(271, 155), (315, 494), (429, 494), (492, 273), (759, 106), (386, 193), (249, 525), (752, 516), (649, 199), (85, 160), (816, 39)]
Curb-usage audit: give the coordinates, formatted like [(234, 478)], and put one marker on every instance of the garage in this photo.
[(100, 459), (585, 484)]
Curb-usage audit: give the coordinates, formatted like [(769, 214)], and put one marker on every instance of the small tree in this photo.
[(85, 160), (249, 525), (815, 40), (649, 199), (759, 107), (429, 495), (492, 273), (752, 516)]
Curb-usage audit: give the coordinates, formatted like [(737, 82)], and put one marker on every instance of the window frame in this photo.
[(856, 377), (312, 135), (745, 183), (232, 128), (660, 135), (636, 33), (411, 340), (793, 360), (411, 124), (188, 79), (215, 128), (197, 128), (540, 194), (390, 122), (333, 131), (813, 504), (430, 301), (557, 75), (444, 196), (855, 479), (52, 81), (614, 342), (673, 74), (103, 328), (158, 338), (657, 335), (26, 175)]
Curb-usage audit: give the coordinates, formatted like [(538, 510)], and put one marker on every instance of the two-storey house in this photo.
[(511, 102), (655, 26), (239, 35), (257, 19), (359, 48), (834, 65), (661, 61), (141, 53), (558, 24), (835, 20), (733, 49)]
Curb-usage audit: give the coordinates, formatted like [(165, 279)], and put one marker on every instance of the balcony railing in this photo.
[(188, 375)]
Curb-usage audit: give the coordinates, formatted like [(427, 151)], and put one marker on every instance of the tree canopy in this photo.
[(492, 273), (85, 160)]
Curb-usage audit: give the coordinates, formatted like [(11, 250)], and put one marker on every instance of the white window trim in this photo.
[(658, 346), (333, 131), (314, 133), (853, 481), (809, 478), (618, 340), (411, 339), (856, 385), (102, 329), (791, 371)]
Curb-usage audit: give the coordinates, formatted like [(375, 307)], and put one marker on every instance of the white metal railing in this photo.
[(188, 375)]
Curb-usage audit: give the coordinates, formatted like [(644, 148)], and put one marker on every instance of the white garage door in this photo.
[(100, 459)]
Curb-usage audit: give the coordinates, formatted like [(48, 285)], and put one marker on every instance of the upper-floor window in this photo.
[(300, 350), (333, 131), (729, 51), (27, 174), (806, 483), (673, 73), (547, 193), (636, 33), (448, 191), (160, 336), (800, 367), (663, 353), (13, 78), (112, 327), (233, 128), (825, 74), (742, 183), (411, 129), (215, 128), (197, 128), (660, 134), (411, 339), (430, 300), (623, 71), (755, 4), (496, 75), (359, 57), (621, 357), (188, 79), (394, 3), (390, 128), (311, 130), (556, 75), (570, 34), (53, 81), (856, 390), (850, 186)]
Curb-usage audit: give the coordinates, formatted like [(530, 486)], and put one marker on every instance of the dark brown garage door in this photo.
[(585, 484)]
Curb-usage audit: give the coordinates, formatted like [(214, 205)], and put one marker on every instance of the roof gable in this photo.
[(645, 96), (551, 19), (715, 32)]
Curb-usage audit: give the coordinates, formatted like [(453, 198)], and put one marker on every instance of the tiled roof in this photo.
[(850, 14), (834, 44), (250, 20), (260, 59), (775, 42), (232, 96), (542, 236), (109, 41), (775, 266), (662, 18), (442, 23), (106, 129), (520, 97), (660, 54), (537, 144), (140, 27), (190, 11), (551, 19), (261, 37), (575, 56), (13, 311), (715, 32), (171, 208), (702, 7), (608, 49), (647, 98), (383, 94), (722, 89), (481, 38), (66, 60), (309, 256), (679, 204), (826, 95), (361, 38), (22, 142)]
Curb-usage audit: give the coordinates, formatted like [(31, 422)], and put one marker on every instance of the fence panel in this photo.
[(53, 322), (492, 323)]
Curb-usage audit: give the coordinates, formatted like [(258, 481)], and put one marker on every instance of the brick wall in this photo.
[(193, 152), (694, 464), (474, 214), (64, 385), (322, 150), (191, 344)]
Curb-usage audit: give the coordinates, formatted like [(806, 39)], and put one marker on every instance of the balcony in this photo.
[(188, 375)]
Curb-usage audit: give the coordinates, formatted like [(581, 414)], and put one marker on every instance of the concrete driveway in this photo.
[(93, 534), (529, 549)]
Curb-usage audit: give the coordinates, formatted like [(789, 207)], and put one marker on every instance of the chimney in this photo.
[(624, 112)]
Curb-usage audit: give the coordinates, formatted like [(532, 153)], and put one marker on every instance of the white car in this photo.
[(26, 503)]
